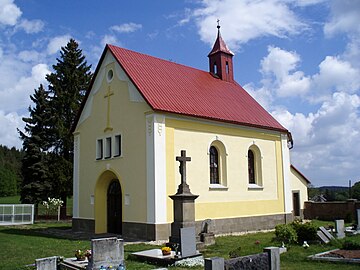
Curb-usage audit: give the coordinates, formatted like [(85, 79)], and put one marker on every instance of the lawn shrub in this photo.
[(285, 233), (304, 231)]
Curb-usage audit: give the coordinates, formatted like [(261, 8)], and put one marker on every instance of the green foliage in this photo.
[(304, 231), (10, 173), (350, 245), (235, 253), (356, 190), (285, 233), (47, 140), (8, 180)]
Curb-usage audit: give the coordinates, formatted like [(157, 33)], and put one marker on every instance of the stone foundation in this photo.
[(83, 225), (141, 231)]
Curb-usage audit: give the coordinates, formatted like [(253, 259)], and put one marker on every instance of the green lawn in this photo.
[(21, 245)]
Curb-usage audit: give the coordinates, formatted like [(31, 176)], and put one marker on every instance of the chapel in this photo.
[(140, 112)]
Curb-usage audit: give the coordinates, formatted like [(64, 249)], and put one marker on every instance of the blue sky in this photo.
[(298, 58)]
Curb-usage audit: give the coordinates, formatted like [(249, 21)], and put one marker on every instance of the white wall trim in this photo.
[(76, 174), (156, 169), (286, 173)]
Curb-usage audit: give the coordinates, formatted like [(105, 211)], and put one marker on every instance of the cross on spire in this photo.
[(218, 24)]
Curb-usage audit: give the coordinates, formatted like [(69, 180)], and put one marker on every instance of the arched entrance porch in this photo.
[(108, 204)]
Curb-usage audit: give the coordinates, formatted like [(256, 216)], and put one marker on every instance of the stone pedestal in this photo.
[(184, 213)]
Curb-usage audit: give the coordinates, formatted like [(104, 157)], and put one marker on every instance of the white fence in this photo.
[(13, 214)]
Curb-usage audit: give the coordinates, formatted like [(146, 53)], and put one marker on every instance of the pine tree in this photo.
[(36, 141), (67, 85)]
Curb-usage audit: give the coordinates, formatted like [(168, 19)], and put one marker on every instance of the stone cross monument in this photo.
[(184, 208)]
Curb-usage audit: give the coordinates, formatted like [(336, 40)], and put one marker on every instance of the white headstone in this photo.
[(49, 263), (106, 252), (340, 228)]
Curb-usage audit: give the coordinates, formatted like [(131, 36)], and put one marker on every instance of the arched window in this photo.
[(251, 167), (214, 166)]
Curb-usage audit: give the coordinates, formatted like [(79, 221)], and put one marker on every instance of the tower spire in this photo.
[(220, 58)]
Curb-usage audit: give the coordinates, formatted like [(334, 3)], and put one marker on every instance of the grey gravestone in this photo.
[(106, 252), (358, 219), (216, 263), (274, 257), (323, 237), (49, 263), (340, 228), (188, 241), (327, 234)]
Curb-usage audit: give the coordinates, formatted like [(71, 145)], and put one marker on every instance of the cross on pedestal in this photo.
[(182, 168), (183, 187)]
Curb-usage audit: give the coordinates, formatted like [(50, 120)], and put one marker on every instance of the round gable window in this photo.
[(110, 75)]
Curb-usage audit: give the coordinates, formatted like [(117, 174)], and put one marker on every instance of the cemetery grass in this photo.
[(21, 245)]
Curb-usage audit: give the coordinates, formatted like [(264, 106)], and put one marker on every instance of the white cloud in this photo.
[(108, 39), (334, 75), (345, 17), (31, 27), (18, 83), (279, 67), (247, 20), (9, 12), (56, 43), (9, 135), (126, 27), (29, 56), (325, 142)]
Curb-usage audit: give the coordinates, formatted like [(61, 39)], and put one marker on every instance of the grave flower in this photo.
[(80, 255), (166, 251)]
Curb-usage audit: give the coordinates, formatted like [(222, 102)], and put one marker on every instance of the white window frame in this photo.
[(99, 149)]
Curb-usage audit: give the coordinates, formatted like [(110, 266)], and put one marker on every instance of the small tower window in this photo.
[(215, 69), (227, 67), (108, 147)]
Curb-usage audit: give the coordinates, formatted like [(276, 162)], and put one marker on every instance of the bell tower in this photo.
[(220, 59)]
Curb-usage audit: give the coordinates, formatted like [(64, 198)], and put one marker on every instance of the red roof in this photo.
[(175, 88), (220, 45)]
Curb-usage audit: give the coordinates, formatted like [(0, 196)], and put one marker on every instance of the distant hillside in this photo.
[(331, 193)]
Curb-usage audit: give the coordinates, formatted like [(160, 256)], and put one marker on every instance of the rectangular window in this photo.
[(99, 149), (117, 150), (108, 147), (227, 67)]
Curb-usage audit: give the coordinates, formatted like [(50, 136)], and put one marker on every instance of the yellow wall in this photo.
[(298, 183), (126, 118), (237, 200)]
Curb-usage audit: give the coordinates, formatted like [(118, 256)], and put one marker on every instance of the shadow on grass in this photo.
[(41, 232)]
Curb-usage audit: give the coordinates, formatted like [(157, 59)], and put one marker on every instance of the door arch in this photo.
[(114, 207)]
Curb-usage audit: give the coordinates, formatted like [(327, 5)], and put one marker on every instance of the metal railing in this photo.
[(13, 214)]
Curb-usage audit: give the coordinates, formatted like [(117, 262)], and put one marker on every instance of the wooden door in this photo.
[(114, 208)]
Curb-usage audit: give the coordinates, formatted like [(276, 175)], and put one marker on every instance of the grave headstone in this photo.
[(49, 263), (327, 234), (187, 242), (206, 236), (216, 263), (106, 252), (340, 228), (323, 237)]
